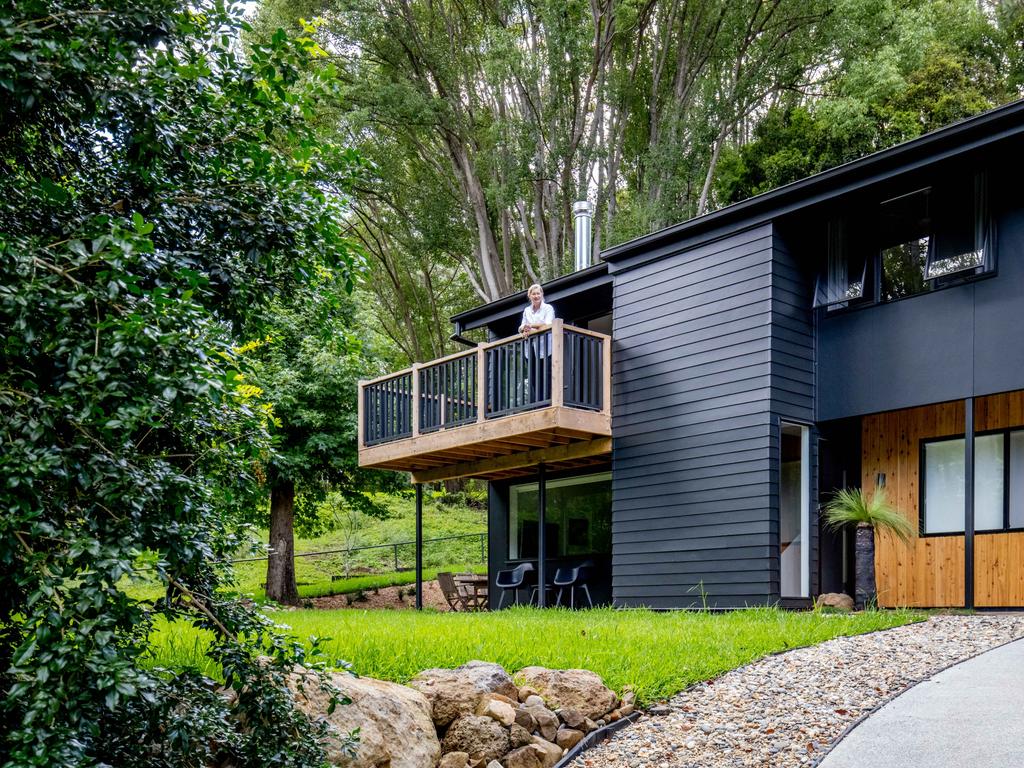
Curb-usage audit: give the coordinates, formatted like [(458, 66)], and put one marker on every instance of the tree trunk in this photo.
[(865, 593), (281, 560)]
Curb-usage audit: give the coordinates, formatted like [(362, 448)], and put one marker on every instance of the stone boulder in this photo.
[(567, 738), (525, 719), (394, 722), (496, 709), (480, 737), (455, 692), (579, 689), (523, 757), (454, 760), (836, 601), (547, 721), (549, 753)]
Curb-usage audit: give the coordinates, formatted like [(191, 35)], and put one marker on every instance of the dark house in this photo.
[(709, 385)]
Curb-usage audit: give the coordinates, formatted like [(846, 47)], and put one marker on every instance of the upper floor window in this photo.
[(908, 244)]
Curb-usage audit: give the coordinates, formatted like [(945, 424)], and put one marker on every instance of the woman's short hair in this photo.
[(537, 286)]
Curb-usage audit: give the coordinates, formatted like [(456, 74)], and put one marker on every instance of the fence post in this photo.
[(396, 558), (360, 414), (481, 383), (557, 364), (415, 421)]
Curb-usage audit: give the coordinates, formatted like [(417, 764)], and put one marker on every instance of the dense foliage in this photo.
[(159, 185), (655, 110)]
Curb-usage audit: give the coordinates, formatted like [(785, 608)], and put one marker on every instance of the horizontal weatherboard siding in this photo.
[(692, 383)]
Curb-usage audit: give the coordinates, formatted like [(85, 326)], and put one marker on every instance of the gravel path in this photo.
[(786, 710)]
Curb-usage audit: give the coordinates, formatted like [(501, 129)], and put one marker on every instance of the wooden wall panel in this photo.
[(929, 571)]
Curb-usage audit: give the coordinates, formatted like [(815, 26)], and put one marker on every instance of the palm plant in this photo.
[(853, 506)]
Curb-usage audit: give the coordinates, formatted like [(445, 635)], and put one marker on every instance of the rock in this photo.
[(628, 699), (577, 688), (512, 702), (454, 760), (479, 737), (524, 757), (550, 753), (835, 600), (547, 721), (626, 709), (571, 716), (494, 764), (519, 736), (533, 700), (589, 725), (567, 738), (526, 692), (454, 692), (395, 727), (526, 720), (614, 715), (659, 710), (496, 709)]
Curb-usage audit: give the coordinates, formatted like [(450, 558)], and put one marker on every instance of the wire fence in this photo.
[(342, 562)]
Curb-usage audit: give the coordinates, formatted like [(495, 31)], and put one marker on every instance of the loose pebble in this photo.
[(788, 709)]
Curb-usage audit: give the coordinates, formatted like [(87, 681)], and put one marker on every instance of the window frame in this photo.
[(604, 475), (872, 279), (922, 484)]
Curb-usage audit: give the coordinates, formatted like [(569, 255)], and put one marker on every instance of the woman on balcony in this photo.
[(537, 317)]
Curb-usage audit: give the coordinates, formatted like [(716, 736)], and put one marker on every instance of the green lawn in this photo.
[(657, 654)]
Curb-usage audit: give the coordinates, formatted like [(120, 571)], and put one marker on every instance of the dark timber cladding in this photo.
[(793, 372), (695, 440)]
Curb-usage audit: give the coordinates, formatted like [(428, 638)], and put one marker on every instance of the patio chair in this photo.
[(512, 579), (573, 579), (452, 595)]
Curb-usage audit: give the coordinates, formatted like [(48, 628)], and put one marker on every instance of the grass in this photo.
[(657, 654)]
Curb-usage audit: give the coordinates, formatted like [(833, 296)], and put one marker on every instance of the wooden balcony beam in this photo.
[(502, 465)]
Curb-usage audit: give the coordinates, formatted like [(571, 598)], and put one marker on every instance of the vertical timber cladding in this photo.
[(929, 572), (693, 432)]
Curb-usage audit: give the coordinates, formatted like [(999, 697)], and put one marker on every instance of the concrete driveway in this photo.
[(970, 715)]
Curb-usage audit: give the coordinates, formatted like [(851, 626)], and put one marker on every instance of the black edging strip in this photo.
[(594, 738), (846, 731)]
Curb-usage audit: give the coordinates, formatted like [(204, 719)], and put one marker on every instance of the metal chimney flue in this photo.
[(583, 215)]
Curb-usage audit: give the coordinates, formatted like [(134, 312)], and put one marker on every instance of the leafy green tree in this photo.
[(158, 187), (306, 365), (927, 65)]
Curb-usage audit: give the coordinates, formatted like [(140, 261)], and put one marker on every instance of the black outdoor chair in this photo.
[(573, 579), (512, 579)]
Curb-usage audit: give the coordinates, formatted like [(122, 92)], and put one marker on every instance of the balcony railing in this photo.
[(562, 366)]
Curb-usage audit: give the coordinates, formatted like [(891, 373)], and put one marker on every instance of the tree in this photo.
[(928, 65), (158, 187), (306, 366)]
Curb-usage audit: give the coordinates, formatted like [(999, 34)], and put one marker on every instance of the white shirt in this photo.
[(543, 316)]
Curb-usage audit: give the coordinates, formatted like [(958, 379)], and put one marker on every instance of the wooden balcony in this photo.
[(495, 411)]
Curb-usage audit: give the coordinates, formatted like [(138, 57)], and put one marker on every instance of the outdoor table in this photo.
[(476, 584)]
